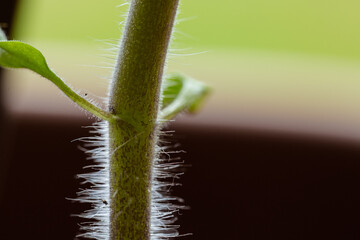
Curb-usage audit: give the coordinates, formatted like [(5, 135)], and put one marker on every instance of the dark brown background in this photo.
[(241, 184)]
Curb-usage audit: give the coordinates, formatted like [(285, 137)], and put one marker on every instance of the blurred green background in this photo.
[(312, 26), (291, 65)]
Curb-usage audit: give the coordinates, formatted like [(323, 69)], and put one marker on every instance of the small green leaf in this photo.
[(172, 87), (182, 93), (15, 54), (2, 35)]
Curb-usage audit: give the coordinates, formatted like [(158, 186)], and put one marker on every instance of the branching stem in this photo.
[(78, 99)]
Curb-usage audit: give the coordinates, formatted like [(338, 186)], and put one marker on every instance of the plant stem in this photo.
[(134, 100)]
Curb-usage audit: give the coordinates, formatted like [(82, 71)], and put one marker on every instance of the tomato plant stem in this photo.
[(134, 100)]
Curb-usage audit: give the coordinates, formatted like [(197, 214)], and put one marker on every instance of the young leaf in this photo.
[(2, 35), (15, 54), (172, 87), (182, 93)]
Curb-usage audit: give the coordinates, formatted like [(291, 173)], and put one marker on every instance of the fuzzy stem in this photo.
[(134, 100)]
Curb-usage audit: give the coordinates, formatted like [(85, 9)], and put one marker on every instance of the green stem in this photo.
[(134, 99)]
